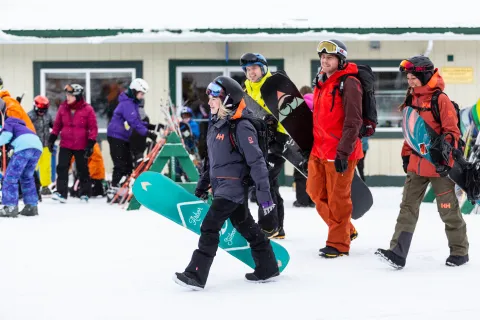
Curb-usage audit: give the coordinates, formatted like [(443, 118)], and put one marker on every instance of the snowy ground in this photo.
[(94, 261)]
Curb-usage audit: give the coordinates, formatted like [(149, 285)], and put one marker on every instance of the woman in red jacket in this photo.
[(77, 125), (423, 81)]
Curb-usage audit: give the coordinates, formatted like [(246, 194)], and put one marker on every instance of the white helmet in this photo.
[(139, 85)]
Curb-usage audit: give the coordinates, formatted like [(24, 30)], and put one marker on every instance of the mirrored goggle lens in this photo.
[(406, 66), (214, 90), (68, 88), (327, 46)]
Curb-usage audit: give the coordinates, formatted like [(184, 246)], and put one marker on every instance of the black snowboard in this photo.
[(287, 104)]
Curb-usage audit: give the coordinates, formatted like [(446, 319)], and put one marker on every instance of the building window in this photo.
[(192, 82), (103, 81), (390, 89), (102, 87)]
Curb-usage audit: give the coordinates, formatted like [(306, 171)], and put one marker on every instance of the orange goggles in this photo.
[(68, 88), (407, 66)]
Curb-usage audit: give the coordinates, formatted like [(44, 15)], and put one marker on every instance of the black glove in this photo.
[(51, 141), (202, 194), (155, 127), (341, 165), (406, 160), (89, 148), (152, 135)]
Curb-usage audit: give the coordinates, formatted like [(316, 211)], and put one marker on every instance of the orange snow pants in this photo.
[(331, 193)]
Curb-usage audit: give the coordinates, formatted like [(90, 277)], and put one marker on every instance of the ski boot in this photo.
[(9, 211), (331, 253), (45, 191), (184, 280), (58, 197), (456, 261), (29, 210), (391, 258)]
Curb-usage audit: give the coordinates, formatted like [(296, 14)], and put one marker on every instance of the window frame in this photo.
[(376, 65), (226, 70), (77, 66)]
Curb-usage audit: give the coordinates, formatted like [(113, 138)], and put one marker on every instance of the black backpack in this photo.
[(369, 104), (263, 134)]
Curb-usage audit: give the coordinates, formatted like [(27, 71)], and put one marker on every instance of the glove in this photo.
[(406, 160), (202, 194), (89, 148), (341, 165), (155, 127), (51, 141), (268, 207), (152, 135)]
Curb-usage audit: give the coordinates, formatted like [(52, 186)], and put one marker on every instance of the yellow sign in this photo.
[(457, 75)]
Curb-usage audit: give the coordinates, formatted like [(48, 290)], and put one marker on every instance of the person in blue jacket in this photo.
[(126, 117), (27, 149), (226, 172)]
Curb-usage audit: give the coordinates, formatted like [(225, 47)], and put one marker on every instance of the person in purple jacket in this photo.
[(27, 149), (76, 124), (125, 119)]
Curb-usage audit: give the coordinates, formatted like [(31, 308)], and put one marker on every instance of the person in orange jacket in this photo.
[(10, 107), (423, 81), (337, 120), (96, 169)]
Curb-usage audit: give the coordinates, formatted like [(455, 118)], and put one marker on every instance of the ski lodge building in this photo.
[(181, 59)]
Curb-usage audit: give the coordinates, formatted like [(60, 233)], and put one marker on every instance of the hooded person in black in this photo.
[(226, 172)]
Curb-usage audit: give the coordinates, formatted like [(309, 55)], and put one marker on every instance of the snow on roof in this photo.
[(229, 14), (199, 20)]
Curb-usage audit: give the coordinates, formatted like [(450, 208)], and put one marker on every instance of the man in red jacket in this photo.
[(77, 125), (337, 119)]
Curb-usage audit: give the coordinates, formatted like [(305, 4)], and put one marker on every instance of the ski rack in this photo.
[(172, 150)]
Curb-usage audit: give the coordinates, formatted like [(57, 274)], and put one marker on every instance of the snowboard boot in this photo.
[(298, 204), (456, 261), (58, 197), (84, 199), (9, 211), (251, 277), (354, 235), (281, 234), (45, 191), (331, 253), (392, 259), (271, 233), (29, 210), (185, 280)]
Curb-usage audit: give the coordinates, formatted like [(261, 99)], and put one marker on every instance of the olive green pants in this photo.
[(447, 204)]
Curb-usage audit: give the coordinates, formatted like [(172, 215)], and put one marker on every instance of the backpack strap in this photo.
[(232, 135), (435, 106)]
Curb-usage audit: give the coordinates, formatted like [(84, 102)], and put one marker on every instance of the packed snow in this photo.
[(97, 261)]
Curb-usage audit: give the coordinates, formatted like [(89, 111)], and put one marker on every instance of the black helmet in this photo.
[(249, 59), (417, 64), (420, 66), (227, 89), (335, 47)]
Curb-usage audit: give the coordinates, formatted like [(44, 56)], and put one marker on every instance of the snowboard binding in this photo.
[(472, 175), (440, 151)]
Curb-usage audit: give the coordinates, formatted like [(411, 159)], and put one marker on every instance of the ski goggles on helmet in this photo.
[(249, 59), (408, 67), (330, 47), (215, 90), (69, 89)]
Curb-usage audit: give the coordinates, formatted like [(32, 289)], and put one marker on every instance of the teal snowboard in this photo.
[(163, 196)]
